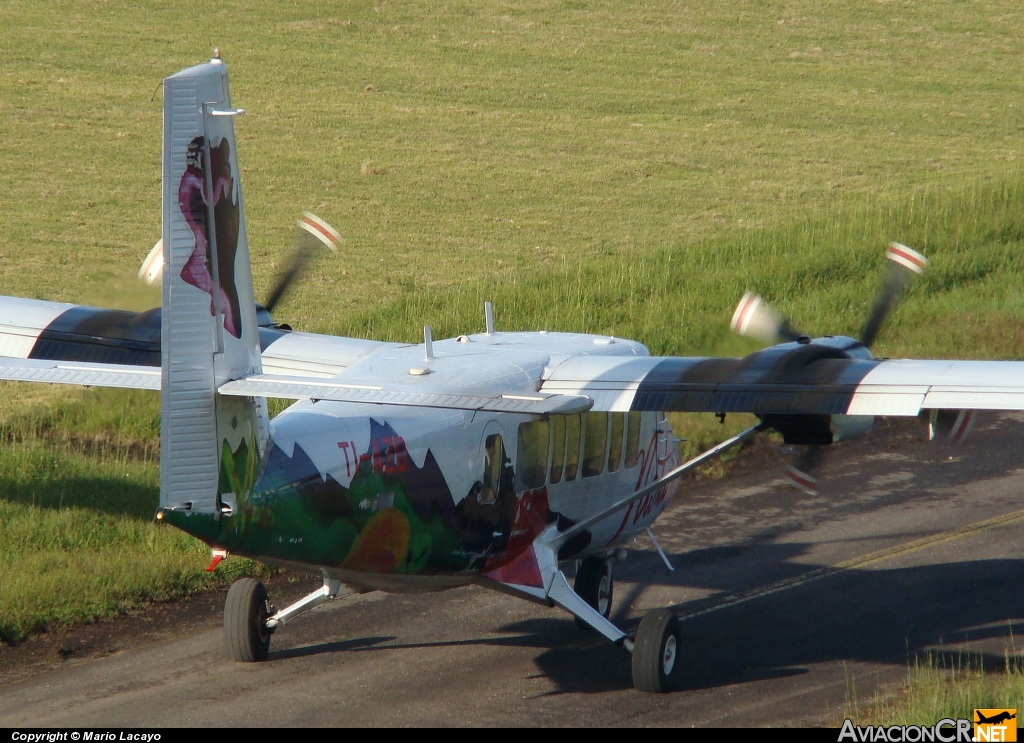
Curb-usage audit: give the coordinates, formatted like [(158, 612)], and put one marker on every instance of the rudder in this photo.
[(211, 445)]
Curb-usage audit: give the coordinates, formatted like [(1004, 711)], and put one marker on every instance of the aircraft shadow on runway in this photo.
[(889, 616)]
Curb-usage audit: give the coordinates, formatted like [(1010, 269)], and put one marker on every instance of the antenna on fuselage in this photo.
[(489, 317), (428, 343)]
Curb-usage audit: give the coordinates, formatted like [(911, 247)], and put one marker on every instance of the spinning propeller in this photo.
[(755, 318), (313, 232)]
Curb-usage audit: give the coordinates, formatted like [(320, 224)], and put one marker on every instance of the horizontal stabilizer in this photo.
[(82, 373), (302, 388)]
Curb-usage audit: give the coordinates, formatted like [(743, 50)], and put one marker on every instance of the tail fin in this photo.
[(211, 445)]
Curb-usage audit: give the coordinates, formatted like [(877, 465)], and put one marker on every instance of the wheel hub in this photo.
[(668, 656)]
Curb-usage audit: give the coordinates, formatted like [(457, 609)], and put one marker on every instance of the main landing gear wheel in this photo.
[(593, 584), (656, 651), (246, 637)]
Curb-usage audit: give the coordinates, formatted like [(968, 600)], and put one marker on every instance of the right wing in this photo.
[(774, 384)]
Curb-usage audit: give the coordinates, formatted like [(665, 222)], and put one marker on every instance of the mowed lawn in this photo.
[(613, 167)]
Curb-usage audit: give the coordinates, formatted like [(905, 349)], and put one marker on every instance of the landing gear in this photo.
[(246, 635), (593, 584), (656, 651), (250, 620)]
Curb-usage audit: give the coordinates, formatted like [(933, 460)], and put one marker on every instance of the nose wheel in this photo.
[(594, 585)]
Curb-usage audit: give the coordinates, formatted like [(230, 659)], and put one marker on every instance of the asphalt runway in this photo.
[(793, 606)]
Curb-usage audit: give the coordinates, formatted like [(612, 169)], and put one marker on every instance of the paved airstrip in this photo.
[(792, 604)]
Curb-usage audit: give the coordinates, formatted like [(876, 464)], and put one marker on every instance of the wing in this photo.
[(129, 376), (33, 329), (777, 384), (299, 388)]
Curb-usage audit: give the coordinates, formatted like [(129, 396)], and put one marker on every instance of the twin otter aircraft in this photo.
[(488, 459)]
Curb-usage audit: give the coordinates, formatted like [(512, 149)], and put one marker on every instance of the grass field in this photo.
[(614, 167)]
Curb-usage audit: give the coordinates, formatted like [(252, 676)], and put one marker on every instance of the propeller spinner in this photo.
[(755, 318)]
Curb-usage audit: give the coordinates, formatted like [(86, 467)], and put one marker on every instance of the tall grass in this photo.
[(939, 686), (822, 272)]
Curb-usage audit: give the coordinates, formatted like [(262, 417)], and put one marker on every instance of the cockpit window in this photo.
[(532, 455), (594, 439)]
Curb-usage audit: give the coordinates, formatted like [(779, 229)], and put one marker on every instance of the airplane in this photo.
[(492, 458), (1003, 716)]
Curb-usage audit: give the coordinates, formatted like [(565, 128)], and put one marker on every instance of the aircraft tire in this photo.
[(594, 585), (656, 652), (246, 637)]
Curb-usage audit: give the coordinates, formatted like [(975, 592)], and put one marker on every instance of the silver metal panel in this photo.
[(189, 464), (308, 354)]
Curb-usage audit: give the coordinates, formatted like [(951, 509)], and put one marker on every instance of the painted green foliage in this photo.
[(394, 517)]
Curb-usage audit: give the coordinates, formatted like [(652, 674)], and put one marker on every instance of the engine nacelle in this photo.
[(819, 430)]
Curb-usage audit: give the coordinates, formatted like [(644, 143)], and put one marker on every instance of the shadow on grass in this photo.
[(113, 495)]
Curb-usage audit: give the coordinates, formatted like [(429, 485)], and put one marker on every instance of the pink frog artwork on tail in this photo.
[(192, 200)]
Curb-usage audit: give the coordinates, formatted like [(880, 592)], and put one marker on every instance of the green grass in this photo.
[(79, 484), (938, 687), (613, 167), (822, 272)]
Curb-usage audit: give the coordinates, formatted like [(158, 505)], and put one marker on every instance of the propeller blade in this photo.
[(799, 473), (152, 269), (951, 426), (314, 233), (905, 263), (755, 318)]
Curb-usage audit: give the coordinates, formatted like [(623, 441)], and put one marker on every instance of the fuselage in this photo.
[(409, 498)]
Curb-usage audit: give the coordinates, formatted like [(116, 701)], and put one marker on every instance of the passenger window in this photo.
[(615, 443), (572, 446), (632, 439), (532, 455), (595, 437), (557, 447), (494, 455)]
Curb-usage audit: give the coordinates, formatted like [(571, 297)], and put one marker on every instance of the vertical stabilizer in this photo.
[(210, 445)]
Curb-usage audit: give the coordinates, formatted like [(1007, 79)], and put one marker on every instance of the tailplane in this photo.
[(211, 445)]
